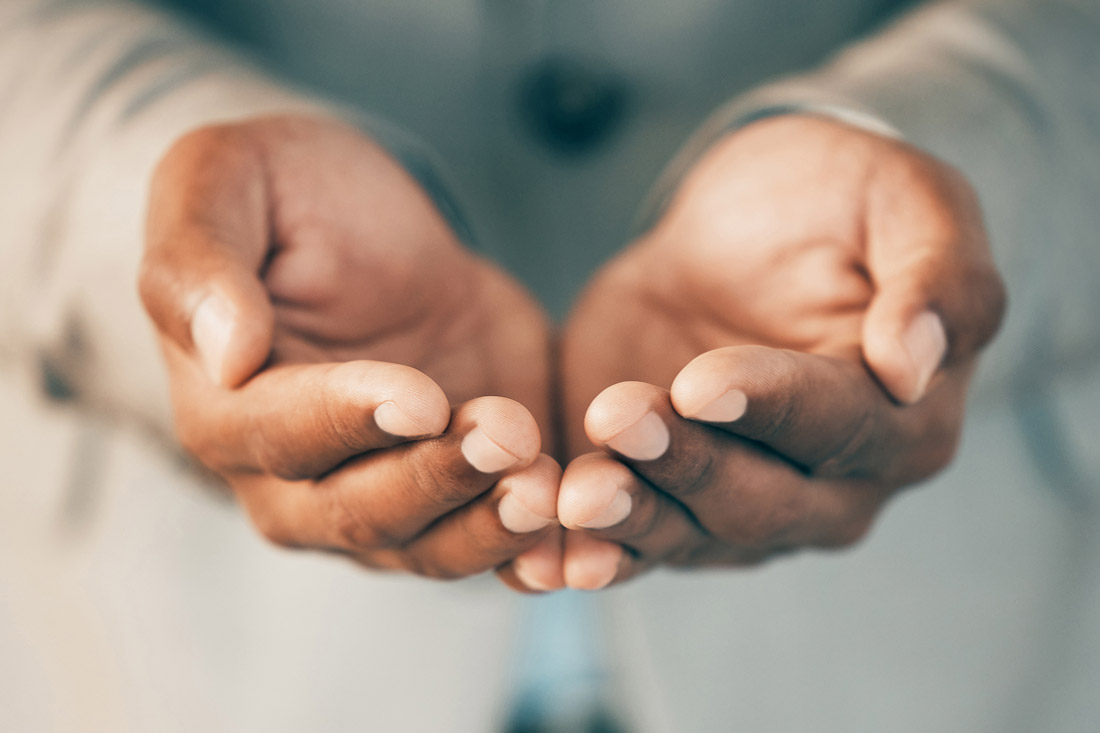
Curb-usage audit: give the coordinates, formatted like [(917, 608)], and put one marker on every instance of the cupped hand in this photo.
[(319, 319), (787, 347)]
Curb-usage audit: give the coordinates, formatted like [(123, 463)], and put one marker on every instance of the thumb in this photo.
[(207, 238), (940, 309)]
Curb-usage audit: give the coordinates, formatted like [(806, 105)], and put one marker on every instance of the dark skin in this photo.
[(789, 346), (332, 347), (795, 336)]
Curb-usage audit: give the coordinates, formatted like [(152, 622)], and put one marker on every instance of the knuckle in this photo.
[(431, 567), (342, 424), (699, 474), (440, 486), (647, 517), (849, 533), (269, 456), (489, 539), (785, 415), (275, 462), (850, 446), (283, 468), (357, 530), (274, 529)]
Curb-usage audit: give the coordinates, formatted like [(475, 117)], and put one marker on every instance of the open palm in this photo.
[(362, 381), (752, 357)]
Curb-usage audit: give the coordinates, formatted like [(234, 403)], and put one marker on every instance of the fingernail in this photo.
[(527, 572), (645, 440), (395, 421), (727, 407), (615, 512), (485, 455), (926, 342), (594, 572), (598, 577), (211, 329), (516, 517)]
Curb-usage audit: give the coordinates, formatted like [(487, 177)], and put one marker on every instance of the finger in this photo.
[(820, 412), (539, 569), (300, 421), (207, 238), (593, 564), (601, 496), (492, 529), (384, 499), (735, 490), (938, 297)]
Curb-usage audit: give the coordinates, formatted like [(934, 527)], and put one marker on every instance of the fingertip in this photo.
[(531, 496), (402, 401), (412, 405), (540, 568), (704, 390), (616, 408), (904, 352), (594, 493), (626, 418), (505, 436), (589, 563)]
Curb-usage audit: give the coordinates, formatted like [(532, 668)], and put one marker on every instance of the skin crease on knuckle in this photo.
[(267, 453), (485, 539), (786, 413), (354, 527), (860, 447), (755, 520), (424, 477), (273, 528)]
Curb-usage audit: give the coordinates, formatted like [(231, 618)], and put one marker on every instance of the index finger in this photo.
[(383, 500), (300, 421), (823, 413)]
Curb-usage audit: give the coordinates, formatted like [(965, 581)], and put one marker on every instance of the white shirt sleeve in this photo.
[(91, 95)]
